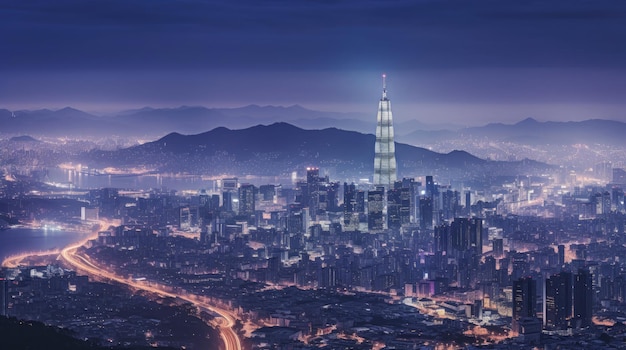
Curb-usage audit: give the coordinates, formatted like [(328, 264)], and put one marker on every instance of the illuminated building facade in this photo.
[(385, 150), (375, 205), (311, 194), (247, 202)]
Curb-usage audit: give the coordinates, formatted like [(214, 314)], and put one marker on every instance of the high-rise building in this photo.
[(312, 190), (520, 264), (328, 199), (450, 204), (466, 235), (583, 298), (375, 204), (385, 149), (430, 186), (414, 200), (498, 247), (426, 212), (229, 194), (4, 296), (184, 221), (617, 198), (247, 196), (228, 198), (558, 301), (561, 249), (327, 277), (442, 237), (524, 300), (398, 206), (350, 213), (295, 219)]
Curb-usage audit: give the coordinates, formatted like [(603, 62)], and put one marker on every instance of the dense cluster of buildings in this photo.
[(105, 314), (535, 278), (402, 263)]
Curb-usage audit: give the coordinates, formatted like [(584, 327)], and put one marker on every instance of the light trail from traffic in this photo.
[(82, 263), (229, 337), (16, 260)]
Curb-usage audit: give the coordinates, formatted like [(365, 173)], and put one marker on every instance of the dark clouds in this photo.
[(312, 34), (161, 51)]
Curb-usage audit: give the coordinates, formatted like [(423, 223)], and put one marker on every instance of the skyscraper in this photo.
[(426, 212), (524, 300), (247, 202), (4, 296), (229, 194), (385, 150), (375, 204), (430, 187), (583, 298), (466, 235), (558, 301), (350, 213), (313, 190), (398, 206)]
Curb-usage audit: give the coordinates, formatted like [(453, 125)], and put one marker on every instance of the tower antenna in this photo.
[(384, 86)]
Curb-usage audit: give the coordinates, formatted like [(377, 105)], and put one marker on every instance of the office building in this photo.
[(375, 204), (247, 199), (4, 296), (350, 212), (583, 298), (558, 301), (524, 300)]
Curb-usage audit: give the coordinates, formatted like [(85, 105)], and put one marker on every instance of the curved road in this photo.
[(14, 261), (225, 327)]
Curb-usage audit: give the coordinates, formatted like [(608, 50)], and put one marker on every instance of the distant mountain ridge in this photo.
[(282, 148), (533, 132), (154, 122), (64, 122), (150, 122), (530, 130)]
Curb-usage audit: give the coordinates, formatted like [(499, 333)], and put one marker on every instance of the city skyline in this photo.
[(450, 61), (200, 174)]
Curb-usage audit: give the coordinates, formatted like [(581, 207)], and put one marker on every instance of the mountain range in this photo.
[(532, 132), (156, 122), (578, 144), (282, 148)]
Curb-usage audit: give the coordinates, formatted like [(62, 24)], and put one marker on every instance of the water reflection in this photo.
[(74, 179)]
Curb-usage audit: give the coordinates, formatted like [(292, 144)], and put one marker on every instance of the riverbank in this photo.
[(39, 239)]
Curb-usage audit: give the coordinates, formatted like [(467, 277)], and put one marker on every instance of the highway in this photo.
[(16, 260), (225, 324)]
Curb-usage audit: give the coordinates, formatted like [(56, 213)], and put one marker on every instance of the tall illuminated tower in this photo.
[(385, 149)]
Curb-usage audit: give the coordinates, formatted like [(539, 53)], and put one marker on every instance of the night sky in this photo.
[(461, 61)]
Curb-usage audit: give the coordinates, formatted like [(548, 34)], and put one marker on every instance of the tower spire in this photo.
[(384, 86), (384, 153)]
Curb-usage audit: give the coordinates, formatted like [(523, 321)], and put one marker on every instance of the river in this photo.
[(80, 180), (22, 240)]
